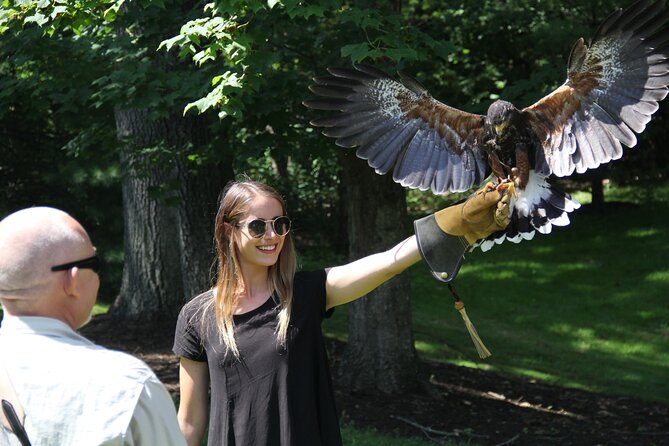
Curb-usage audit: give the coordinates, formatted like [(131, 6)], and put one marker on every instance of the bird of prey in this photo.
[(613, 87)]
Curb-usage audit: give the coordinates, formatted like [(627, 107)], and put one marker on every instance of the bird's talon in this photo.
[(508, 186), (489, 186)]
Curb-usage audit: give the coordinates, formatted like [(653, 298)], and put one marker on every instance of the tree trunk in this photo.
[(198, 203), (380, 354), (597, 189), (168, 213)]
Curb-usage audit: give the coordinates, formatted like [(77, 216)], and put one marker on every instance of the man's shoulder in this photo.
[(117, 364)]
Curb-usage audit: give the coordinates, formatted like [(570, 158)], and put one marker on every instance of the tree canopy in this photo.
[(132, 115)]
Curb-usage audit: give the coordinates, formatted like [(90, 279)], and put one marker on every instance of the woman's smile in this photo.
[(269, 249)]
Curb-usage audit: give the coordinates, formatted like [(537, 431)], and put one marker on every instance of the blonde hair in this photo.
[(233, 208)]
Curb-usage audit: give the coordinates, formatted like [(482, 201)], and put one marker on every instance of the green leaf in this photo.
[(169, 43), (201, 104), (229, 79), (399, 54), (305, 12), (362, 18), (38, 18), (109, 15), (356, 51), (58, 10), (112, 12)]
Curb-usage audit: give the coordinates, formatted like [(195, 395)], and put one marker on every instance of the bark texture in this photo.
[(168, 213), (380, 354)]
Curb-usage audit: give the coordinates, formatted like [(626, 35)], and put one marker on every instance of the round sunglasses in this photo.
[(258, 227)]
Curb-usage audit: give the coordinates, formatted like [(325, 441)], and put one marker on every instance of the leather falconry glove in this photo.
[(445, 236)]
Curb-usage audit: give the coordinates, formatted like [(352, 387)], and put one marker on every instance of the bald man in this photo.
[(73, 392)]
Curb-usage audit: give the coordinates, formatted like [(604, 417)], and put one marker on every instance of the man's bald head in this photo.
[(31, 242)]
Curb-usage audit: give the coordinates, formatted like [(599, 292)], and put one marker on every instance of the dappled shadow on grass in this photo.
[(487, 408), (584, 306)]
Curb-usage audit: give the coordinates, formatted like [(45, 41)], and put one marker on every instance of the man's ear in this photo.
[(71, 282)]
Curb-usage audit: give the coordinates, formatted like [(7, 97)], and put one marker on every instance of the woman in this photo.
[(255, 339)]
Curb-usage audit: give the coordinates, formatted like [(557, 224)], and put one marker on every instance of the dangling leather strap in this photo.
[(12, 415)]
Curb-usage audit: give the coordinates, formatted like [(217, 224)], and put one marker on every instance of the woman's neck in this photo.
[(256, 282), (255, 290)]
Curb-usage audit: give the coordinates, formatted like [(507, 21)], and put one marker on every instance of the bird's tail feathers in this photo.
[(538, 208)]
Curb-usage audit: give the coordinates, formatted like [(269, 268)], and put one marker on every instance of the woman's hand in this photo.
[(482, 214)]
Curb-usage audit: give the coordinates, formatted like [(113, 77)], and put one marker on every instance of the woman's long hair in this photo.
[(233, 208)]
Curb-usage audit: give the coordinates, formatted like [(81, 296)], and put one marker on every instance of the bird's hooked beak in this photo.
[(499, 128)]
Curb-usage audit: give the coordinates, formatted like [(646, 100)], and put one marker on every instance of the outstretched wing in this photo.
[(611, 91), (399, 126)]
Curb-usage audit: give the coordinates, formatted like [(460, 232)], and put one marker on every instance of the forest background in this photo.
[(133, 115)]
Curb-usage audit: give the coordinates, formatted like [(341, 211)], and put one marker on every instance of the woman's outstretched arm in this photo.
[(348, 282), (483, 213)]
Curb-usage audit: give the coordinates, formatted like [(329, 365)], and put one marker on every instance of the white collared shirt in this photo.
[(77, 393)]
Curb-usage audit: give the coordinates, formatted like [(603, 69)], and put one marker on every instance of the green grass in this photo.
[(585, 306), (100, 308)]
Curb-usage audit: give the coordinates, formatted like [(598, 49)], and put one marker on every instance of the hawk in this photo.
[(613, 87)]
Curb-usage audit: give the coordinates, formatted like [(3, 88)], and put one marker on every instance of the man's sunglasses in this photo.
[(89, 263), (258, 227)]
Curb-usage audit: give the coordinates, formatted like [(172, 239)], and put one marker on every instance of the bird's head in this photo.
[(500, 115)]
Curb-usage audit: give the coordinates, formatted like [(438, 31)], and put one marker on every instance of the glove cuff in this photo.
[(443, 253)]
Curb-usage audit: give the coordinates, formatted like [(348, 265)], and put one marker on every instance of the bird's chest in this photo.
[(503, 149), (507, 147)]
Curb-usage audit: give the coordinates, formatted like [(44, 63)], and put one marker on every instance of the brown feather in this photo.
[(445, 120), (548, 116), (585, 81), (496, 167), (524, 167)]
